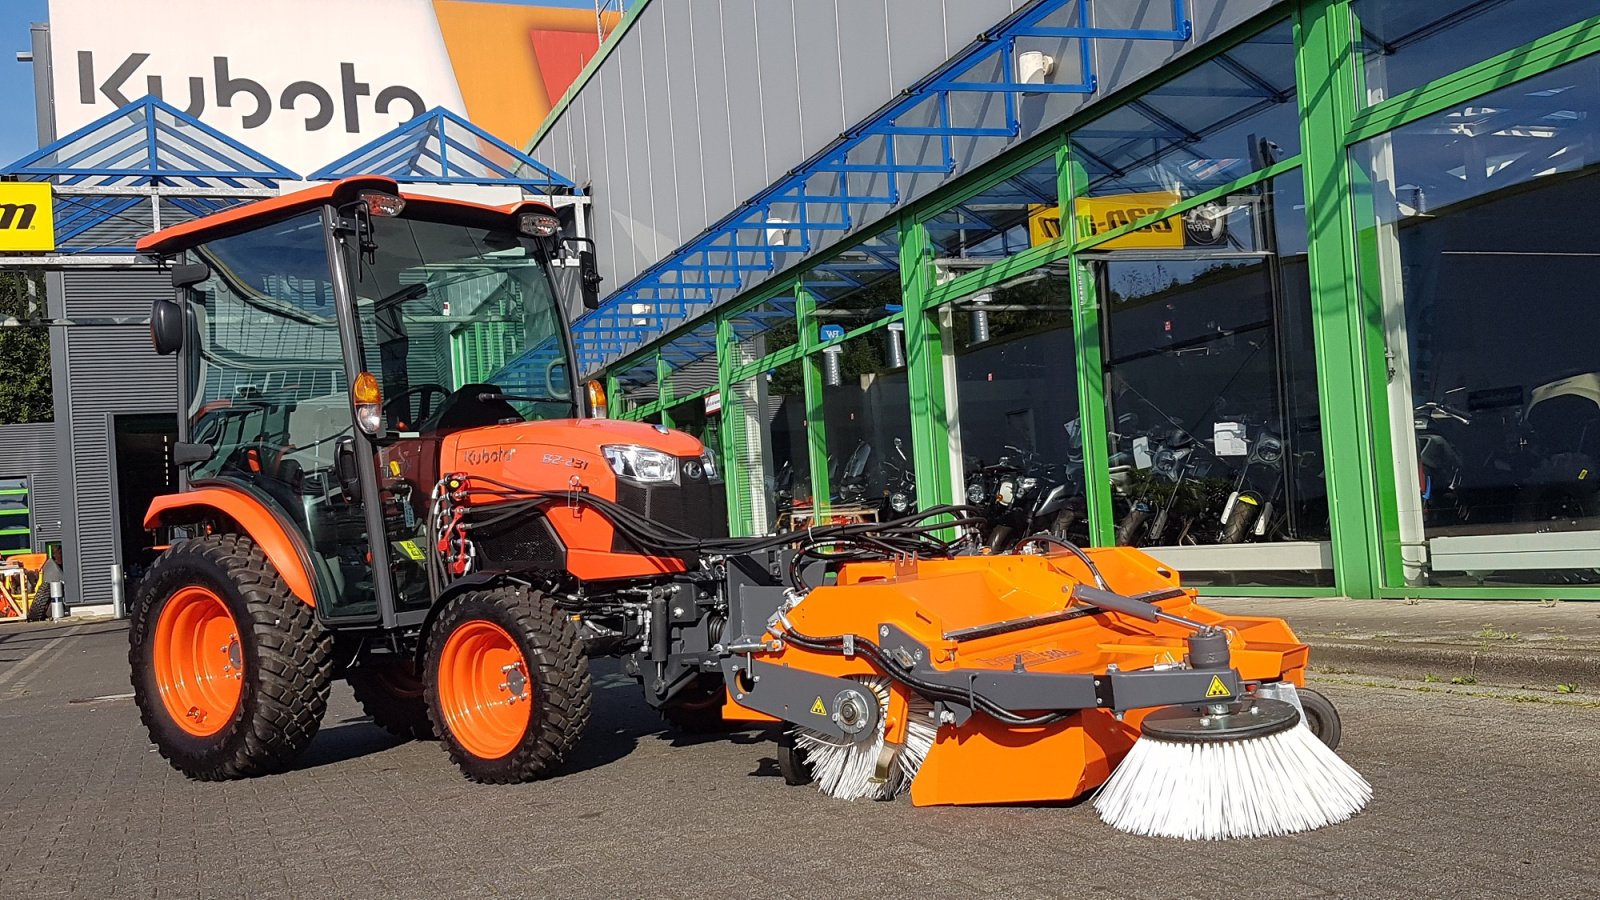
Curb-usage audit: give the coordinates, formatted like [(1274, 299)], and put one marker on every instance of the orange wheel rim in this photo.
[(199, 662), (484, 689)]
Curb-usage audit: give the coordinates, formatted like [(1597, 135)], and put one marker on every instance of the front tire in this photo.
[(507, 684), (230, 670)]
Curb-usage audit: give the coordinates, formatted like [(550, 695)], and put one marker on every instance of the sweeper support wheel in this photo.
[(230, 671), (1321, 717), (507, 684)]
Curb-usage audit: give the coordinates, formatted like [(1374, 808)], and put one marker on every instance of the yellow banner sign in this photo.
[(27, 221), (1097, 215)]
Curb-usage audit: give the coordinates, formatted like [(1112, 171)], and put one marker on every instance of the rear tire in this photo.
[(230, 670), (390, 693), (1321, 717), (698, 708), (507, 684), (39, 609)]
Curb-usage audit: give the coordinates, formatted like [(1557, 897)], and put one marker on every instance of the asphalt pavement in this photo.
[(1480, 792)]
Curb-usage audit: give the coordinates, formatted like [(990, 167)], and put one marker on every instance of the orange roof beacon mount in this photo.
[(391, 476)]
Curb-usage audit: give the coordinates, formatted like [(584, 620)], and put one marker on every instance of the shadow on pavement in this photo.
[(343, 742), (41, 633)]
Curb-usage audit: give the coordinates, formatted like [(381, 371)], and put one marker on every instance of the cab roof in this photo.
[(250, 216)]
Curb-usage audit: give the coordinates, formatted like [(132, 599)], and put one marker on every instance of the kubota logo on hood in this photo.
[(485, 455)]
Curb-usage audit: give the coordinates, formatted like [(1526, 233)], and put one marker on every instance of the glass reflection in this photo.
[(1210, 378), (1476, 251)]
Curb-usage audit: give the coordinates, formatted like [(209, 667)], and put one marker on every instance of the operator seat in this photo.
[(463, 409)]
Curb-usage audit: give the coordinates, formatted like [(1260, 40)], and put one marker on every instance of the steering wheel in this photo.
[(398, 412)]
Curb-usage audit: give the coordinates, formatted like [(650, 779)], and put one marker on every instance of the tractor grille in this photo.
[(520, 544), (696, 506)]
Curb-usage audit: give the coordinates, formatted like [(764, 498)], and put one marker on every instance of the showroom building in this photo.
[(1320, 319)]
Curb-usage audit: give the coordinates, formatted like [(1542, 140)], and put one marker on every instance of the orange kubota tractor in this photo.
[(388, 476)]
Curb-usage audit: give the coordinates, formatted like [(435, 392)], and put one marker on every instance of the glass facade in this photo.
[(1470, 247), (1297, 337)]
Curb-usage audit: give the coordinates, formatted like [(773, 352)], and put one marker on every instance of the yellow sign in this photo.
[(1217, 688), (1098, 215), (27, 221), (817, 709), (410, 548), (1044, 224)]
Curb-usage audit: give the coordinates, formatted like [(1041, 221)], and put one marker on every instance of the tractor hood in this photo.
[(559, 454)]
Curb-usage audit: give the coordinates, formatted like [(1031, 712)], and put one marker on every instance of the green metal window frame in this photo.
[(1347, 335), (1352, 362)]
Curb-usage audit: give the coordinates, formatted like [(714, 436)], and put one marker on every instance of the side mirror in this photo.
[(166, 326), (589, 277), (345, 470)]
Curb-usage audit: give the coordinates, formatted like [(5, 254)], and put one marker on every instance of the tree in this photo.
[(25, 394)]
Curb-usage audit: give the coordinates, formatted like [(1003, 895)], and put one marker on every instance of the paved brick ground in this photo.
[(1478, 795)]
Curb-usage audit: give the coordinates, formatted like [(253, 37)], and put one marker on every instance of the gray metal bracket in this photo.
[(804, 698)]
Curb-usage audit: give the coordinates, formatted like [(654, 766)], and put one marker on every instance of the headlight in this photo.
[(641, 464), (976, 493), (899, 502), (1027, 484)]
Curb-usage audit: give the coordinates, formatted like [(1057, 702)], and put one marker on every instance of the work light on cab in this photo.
[(538, 224), (369, 403), (379, 203)]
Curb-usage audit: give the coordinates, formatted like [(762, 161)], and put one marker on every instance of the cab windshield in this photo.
[(445, 311), (459, 323)]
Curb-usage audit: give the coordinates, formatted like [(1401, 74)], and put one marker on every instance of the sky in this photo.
[(18, 132)]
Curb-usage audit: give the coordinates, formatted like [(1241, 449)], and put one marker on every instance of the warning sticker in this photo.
[(817, 709), (394, 468), (1217, 688), (410, 548)]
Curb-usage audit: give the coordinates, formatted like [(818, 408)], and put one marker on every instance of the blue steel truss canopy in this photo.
[(138, 169), (440, 147), (856, 178)]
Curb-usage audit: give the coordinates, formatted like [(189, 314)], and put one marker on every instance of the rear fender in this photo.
[(282, 548)]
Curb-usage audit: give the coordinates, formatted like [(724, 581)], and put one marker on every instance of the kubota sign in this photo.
[(27, 221), (307, 81)]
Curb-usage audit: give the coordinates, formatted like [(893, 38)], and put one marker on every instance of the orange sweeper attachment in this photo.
[(370, 494)]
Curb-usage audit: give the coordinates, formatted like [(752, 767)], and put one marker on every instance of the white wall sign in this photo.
[(301, 81)]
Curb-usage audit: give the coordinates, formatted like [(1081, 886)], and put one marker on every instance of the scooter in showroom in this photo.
[(1173, 492), (900, 484), (1021, 496), (1257, 498)]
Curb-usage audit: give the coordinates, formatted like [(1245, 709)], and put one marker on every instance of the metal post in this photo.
[(1345, 338), (119, 606), (58, 604)]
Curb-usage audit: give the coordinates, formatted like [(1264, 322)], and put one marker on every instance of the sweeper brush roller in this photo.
[(1022, 678)]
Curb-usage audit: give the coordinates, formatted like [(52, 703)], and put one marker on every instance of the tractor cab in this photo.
[(331, 340)]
